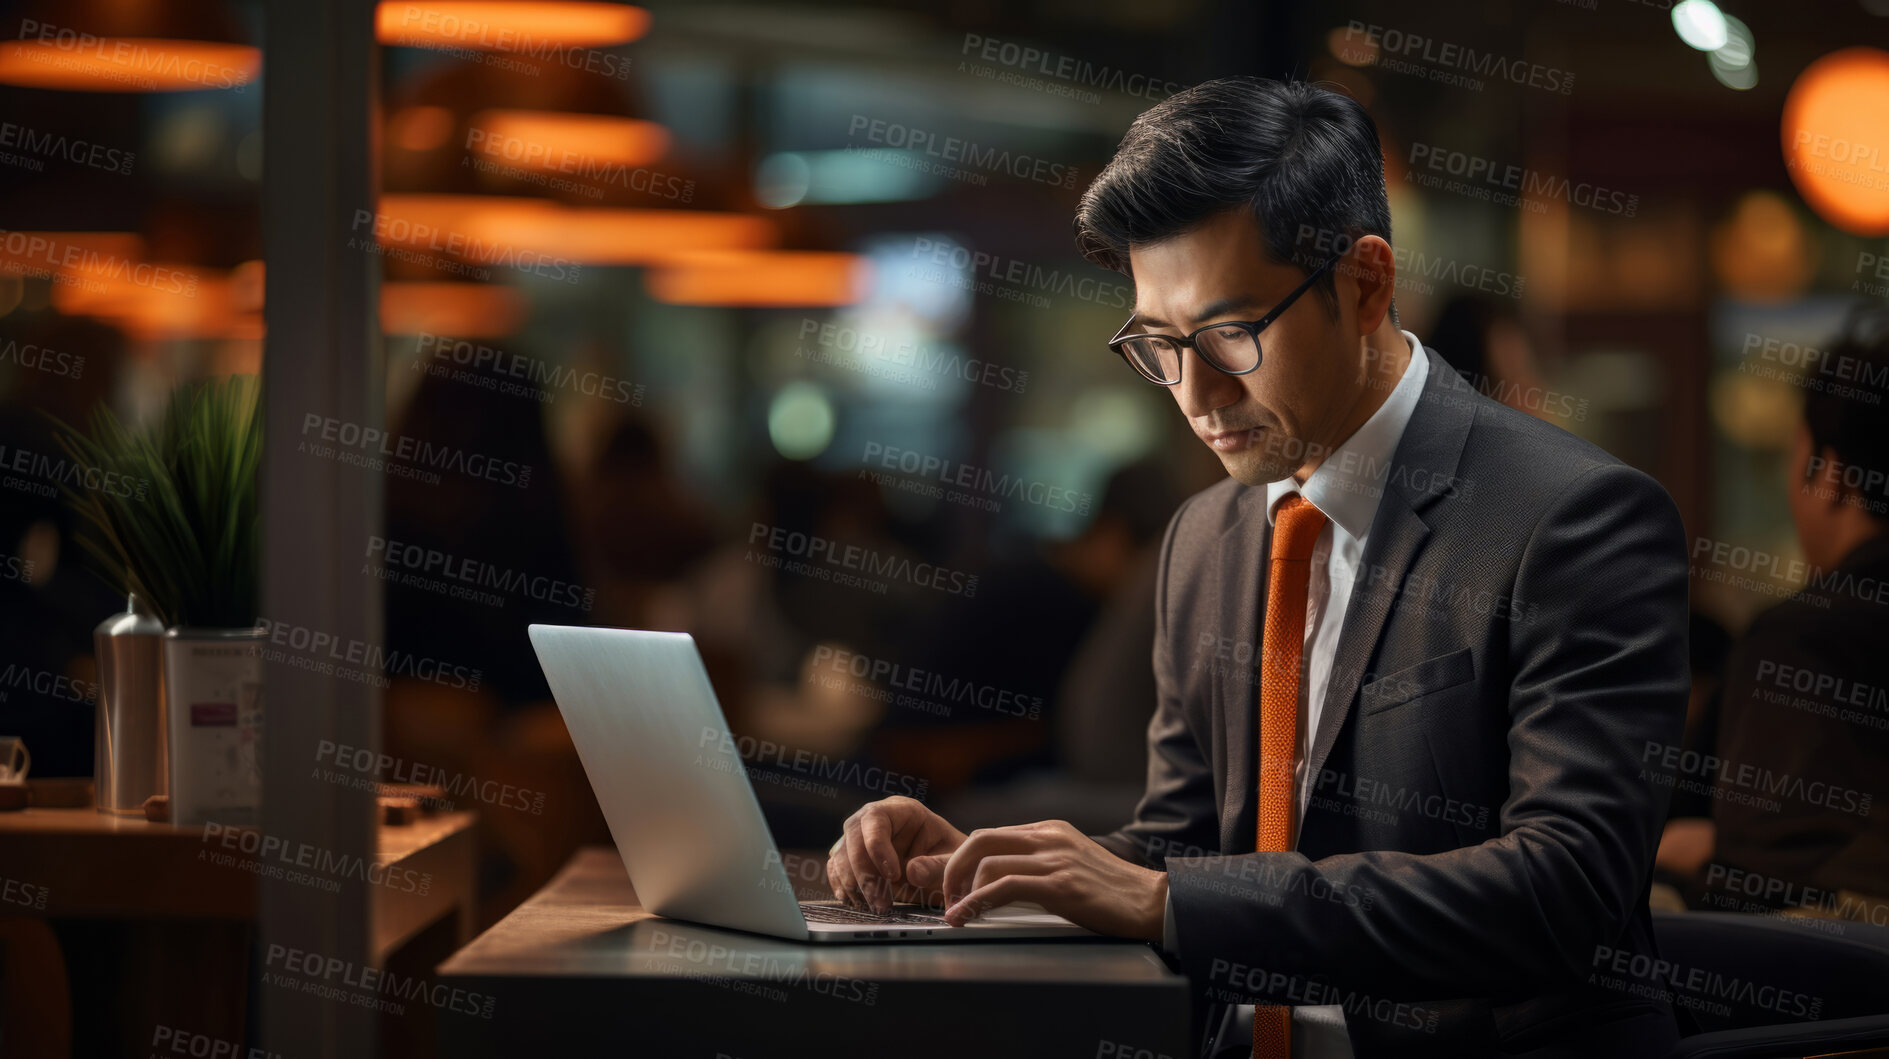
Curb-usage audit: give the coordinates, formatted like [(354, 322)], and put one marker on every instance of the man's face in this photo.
[(1266, 424)]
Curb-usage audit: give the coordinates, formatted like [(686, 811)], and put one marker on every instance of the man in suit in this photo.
[(1409, 656)]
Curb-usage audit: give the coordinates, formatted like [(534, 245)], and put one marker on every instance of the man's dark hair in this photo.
[(1304, 159), (1846, 398)]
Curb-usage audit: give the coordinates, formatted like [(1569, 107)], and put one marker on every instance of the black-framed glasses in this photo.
[(1231, 347)]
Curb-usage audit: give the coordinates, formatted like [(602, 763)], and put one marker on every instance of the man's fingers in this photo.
[(927, 870), (990, 869), (863, 869), (840, 875), (1002, 892), (962, 867), (875, 831)]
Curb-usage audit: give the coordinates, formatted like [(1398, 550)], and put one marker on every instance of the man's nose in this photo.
[(1203, 388)]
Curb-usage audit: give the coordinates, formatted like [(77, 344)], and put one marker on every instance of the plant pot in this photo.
[(213, 691)]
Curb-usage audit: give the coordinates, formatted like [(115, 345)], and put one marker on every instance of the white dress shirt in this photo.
[(1346, 488)]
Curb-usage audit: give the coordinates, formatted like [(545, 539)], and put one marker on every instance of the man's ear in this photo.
[(1374, 269)]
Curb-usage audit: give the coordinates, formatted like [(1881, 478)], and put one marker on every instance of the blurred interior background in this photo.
[(727, 274)]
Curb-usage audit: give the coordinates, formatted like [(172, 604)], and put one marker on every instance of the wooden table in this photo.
[(164, 914), (582, 969)]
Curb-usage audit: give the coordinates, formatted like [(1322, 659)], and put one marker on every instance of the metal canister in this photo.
[(131, 755)]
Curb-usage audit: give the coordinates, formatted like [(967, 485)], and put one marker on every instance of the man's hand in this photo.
[(1051, 864), (866, 867), (1686, 845)]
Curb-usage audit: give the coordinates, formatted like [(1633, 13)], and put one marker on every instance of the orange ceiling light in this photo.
[(493, 229), (524, 26), (86, 63), (764, 278), (151, 299), (564, 142), (622, 237), (1836, 139), (467, 310), (445, 223)]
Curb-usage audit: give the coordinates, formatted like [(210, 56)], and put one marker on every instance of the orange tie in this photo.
[(1296, 525)]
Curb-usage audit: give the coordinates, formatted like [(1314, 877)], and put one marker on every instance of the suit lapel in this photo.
[(1242, 569), (1426, 455)]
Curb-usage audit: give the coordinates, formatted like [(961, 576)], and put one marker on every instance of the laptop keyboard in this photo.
[(824, 913)]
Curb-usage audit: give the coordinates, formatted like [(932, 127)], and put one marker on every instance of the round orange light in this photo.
[(1836, 139)]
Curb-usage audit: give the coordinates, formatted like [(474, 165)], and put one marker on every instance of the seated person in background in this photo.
[(1805, 713)]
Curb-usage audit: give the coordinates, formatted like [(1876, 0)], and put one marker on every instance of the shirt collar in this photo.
[(1347, 484)]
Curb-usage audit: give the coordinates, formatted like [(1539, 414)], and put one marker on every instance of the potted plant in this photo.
[(169, 515)]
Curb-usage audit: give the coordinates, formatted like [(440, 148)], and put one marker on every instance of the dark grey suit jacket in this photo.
[(1473, 867)]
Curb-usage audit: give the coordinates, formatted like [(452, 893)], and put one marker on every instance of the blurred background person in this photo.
[(1806, 695)]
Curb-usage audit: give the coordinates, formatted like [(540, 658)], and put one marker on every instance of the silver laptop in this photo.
[(682, 810)]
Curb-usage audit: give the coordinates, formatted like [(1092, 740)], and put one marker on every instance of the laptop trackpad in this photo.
[(1019, 914)]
